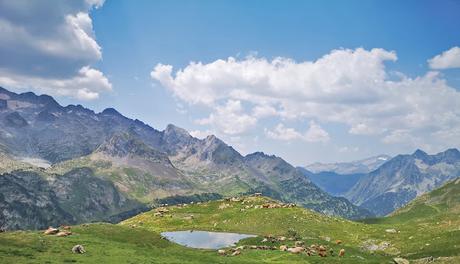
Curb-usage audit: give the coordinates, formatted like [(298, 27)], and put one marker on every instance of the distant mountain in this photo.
[(142, 164), (333, 183), (403, 178), (353, 167)]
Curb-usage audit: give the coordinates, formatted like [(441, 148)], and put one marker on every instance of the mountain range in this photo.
[(404, 177), (82, 166), (353, 167)]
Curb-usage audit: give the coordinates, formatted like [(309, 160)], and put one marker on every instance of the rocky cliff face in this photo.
[(403, 178)]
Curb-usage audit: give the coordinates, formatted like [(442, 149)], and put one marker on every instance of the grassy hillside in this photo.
[(429, 226)]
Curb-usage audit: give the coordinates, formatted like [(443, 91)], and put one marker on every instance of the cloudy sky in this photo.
[(308, 81)]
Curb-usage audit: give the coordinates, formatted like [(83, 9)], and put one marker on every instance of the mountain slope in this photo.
[(33, 200), (403, 178), (143, 163)]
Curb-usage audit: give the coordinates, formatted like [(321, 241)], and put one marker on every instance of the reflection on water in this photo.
[(204, 239)]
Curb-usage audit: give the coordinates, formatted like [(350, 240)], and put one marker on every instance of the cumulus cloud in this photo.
[(314, 133), (87, 84), (229, 118), (448, 59), (345, 86), (47, 45), (201, 134)]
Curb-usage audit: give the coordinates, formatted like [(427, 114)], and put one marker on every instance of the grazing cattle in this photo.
[(51, 231), (299, 243), (296, 250), (338, 242), (63, 233), (283, 248), (78, 249), (236, 253), (342, 253)]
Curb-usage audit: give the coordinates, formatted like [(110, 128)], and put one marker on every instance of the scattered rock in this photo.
[(283, 248), (391, 231), (221, 252), (78, 249), (338, 242), (342, 253), (400, 261)]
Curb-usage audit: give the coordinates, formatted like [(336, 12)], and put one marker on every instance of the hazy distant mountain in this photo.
[(403, 178), (139, 162), (359, 166), (331, 182)]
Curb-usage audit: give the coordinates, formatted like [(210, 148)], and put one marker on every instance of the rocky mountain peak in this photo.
[(420, 154), (110, 111), (172, 130)]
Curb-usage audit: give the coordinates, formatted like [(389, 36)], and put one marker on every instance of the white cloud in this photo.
[(87, 84), (448, 59), (280, 132), (201, 134), (348, 149), (349, 87), (314, 133), (229, 118), (52, 43)]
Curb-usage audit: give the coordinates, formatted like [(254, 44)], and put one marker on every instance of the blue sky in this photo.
[(315, 117)]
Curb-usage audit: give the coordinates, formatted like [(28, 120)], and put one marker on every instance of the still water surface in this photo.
[(204, 239)]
